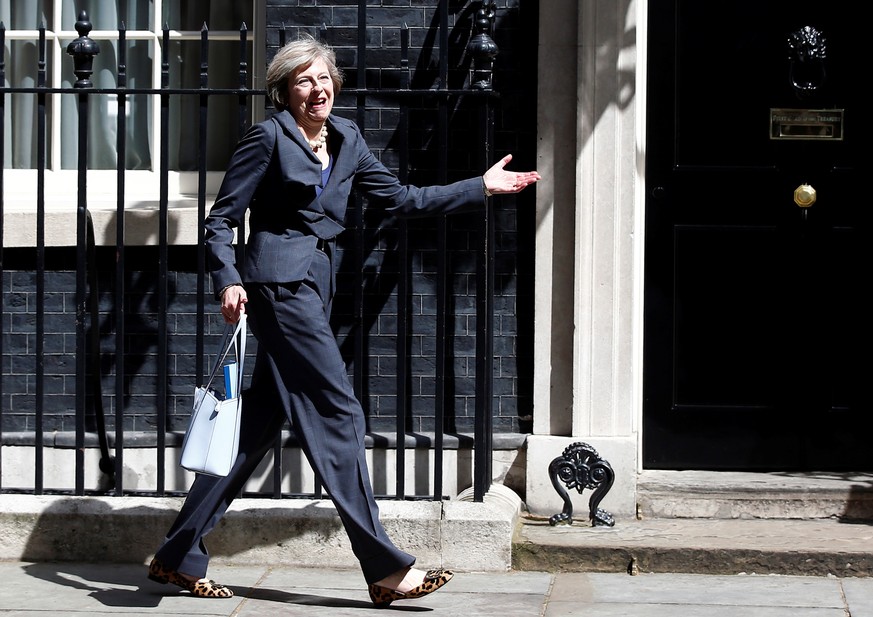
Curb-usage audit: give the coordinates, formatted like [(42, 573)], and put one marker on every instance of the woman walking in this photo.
[(293, 175)]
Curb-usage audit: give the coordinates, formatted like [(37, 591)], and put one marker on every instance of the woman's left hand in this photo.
[(498, 180)]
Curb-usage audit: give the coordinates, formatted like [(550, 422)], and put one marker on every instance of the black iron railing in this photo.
[(91, 421)]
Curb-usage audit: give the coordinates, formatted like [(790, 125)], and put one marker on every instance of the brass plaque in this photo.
[(822, 124)]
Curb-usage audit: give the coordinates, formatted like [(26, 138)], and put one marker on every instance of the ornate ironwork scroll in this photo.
[(580, 467)]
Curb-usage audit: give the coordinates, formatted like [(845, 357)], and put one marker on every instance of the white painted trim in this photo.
[(640, 224)]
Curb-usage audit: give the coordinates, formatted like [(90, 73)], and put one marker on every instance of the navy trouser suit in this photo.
[(315, 394), (299, 372)]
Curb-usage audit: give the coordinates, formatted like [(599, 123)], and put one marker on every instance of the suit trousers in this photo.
[(299, 374)]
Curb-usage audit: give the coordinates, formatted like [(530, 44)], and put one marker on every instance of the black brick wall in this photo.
[(515, 33), (18, 401), (515, 76)]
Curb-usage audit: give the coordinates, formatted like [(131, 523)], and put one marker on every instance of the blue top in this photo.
[(325, 176)]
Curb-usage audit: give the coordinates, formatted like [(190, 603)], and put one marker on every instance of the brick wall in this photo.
[(515, 75), (18, 400), (515, 34)]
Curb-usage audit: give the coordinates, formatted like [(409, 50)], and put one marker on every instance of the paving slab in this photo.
[(38, 589)]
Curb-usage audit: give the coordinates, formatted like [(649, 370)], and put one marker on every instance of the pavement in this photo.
[(810, 556), (640, 568), (39, 589)]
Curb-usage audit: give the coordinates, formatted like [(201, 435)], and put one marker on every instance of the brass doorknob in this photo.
[(804, 196)]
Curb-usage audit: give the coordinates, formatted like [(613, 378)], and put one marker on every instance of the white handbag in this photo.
[(211, 443)]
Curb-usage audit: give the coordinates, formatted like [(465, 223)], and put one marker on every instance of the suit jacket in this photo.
[(274, 174)]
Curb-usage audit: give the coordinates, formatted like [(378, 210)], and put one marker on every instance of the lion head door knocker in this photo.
[(806, 61)]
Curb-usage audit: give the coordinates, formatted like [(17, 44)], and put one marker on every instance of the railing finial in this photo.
[(83, 50), (482, 47)]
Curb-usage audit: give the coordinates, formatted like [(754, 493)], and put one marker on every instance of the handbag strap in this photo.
[(238, 344)]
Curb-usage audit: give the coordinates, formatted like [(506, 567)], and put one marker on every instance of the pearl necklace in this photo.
[(320, 142)]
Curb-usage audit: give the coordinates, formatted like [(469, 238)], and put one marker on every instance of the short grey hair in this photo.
[(294, 57)]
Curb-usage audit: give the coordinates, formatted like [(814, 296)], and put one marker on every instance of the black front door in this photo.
[(758, 249)]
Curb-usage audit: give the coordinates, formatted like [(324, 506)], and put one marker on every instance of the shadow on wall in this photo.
[(89, 530), (855, 488), (859, 505)]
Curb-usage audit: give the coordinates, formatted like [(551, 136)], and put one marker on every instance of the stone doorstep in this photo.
[(772, 495), (458, 534), (703, 522), (819, 547)]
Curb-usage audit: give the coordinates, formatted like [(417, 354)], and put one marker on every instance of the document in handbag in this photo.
[(230, 380)]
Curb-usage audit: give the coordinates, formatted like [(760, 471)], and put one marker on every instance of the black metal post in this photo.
[(83, 50), (243, 114), (39, 454), (2, 208), (163, 254), (403, 273), (121, 166), (442, 287), (483, 50), (483, 430), (359, 325), (203, 129)]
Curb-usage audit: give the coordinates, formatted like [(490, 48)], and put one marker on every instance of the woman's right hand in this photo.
[(498, 180), (233, 301)]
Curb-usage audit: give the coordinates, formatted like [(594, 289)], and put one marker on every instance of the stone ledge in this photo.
[(149, 439), (457, 534)]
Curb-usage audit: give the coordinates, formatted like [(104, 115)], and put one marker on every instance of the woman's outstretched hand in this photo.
[(498, 180)]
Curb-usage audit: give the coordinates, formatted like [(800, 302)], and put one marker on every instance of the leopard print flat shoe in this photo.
[(382, 597), (203, 588)]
